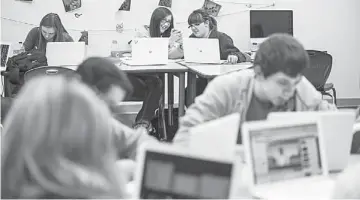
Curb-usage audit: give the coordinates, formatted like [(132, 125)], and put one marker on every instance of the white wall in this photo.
[(330, 25)]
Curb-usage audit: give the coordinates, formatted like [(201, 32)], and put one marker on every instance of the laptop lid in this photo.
[(337, 128), (201, 50), (279, 151), (220, 133), (6, 53), (168, 171), (148, 51), (65, 53)]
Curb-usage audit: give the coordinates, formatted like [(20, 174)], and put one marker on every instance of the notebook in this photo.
[(168, 171), (65, 53), (202, 50), (286, 159)]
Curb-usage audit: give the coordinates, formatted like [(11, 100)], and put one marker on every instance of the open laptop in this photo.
[(6, 53), (337, 128), (286, 159), (168, 171), (217, 137), (65, 53), (148, 51), (202, 50)]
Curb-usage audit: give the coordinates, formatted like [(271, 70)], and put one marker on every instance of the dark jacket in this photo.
[(227, 46)]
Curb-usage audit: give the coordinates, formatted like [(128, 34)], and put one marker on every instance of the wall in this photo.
[(329, 25)]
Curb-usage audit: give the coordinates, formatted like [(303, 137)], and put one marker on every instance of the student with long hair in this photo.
[(50, 29), (58, 143), (148, 87), (204, 25)]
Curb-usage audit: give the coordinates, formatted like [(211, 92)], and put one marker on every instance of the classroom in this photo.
[(180, 99)]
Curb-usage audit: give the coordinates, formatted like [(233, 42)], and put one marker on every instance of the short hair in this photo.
[(199, 16), (282, 53), (102, 74), (56, 128)]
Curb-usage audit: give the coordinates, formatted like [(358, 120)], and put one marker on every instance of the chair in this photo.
[(319, 71), (49, 71), (355, 146)]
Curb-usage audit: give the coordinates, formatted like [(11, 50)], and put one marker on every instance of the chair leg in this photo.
[(334, 94)]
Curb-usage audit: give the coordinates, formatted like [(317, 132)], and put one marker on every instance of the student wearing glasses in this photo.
[(203, 25), (50, 30), (149, 86)]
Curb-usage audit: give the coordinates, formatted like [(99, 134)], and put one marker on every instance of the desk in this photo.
[(170, 68), (209, 71)]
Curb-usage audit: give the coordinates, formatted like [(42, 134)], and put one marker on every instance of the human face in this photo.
[(277, 88), (165, 23), (48, 32), (200, 30), (114, 95)]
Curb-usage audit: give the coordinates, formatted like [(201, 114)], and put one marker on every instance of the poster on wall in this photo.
[(71, 5), (166, 3), (126, 5), (211, 7)]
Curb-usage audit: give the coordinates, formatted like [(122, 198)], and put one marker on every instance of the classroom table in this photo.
[(208, 71)]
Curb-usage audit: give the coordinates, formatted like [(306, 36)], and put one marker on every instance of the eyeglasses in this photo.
[(164, 21)]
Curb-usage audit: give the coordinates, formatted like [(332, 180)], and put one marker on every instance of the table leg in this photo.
[(181, 94), (191, 87), (170, 98)]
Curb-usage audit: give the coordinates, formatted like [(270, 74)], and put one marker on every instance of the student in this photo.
[(203, 25), (147, 86), (50, 30), (60, 146), (275, 84), (162, 25), (112, 85)]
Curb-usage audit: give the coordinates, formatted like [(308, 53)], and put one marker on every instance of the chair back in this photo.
[(49, 71), (320, 68)]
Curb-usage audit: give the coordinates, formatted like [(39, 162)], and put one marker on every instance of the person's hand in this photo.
[(176, 36), (232, 59), (127, 168)]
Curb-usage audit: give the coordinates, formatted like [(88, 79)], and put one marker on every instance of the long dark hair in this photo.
[(199, 16), (159, 14), (51, 20)]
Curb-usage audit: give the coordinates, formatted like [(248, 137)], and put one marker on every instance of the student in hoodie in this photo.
[(203, 25), (112, 85), (149, 86), (50, 30), (276, 83)]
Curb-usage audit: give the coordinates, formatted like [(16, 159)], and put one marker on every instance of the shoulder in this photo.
[(67, 37), (222, 35), (34, 31)]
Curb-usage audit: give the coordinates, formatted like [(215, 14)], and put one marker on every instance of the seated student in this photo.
[(57, 143), (112, 85), (275, 84), (50, 30), (205, 26), (147, 86)]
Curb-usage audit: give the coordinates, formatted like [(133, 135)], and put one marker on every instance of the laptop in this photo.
[(169, 171), (337, 127), (148, 51), (202, 50), (6, 53), (286, 159), (220, 133), (65, 53)]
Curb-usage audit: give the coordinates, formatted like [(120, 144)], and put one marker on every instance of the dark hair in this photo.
[(199, 16), (52, 20), (159, 14), (281, 53), (102, 74)]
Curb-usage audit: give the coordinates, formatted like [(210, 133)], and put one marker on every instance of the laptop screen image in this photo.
[(175, 176), (285, 153)]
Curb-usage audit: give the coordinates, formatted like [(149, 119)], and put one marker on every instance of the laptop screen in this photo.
[(284, 153), (174, 176)]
